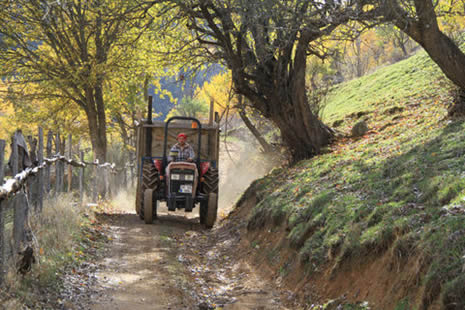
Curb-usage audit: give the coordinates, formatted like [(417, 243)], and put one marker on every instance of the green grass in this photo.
[(413, 80), (401, 186)]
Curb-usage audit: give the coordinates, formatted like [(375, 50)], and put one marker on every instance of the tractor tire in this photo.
[(150, 206), (150, 180), (203, 212), (212, 210), (138, 199), (210, 185)]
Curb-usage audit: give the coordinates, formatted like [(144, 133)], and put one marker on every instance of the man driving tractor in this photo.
[(181, 151), (181, 157)]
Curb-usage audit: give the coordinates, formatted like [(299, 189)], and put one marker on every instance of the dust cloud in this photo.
[(241, 163), (125, 200)]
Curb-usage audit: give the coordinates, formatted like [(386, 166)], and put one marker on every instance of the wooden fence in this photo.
[(26, 190)]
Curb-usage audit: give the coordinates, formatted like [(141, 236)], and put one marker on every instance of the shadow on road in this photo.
[(186, 222)]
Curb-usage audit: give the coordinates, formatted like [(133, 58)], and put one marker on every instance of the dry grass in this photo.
[(56, 231)]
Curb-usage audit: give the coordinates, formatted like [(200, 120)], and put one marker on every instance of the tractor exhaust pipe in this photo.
[(148, 133)]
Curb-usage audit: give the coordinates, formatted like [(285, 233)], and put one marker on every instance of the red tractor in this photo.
[(181, 184)]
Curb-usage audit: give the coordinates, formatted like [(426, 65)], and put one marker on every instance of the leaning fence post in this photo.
[(70, 167), (47, 185), (2, 217), (40, 159), (81, 178)]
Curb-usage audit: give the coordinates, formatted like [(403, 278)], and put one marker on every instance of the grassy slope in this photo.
[(399, 188)]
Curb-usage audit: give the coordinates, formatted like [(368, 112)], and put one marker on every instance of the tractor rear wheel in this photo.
[(150, 206), (150, 180), (138, 200), (203, 212), (212, 210), (210, 184), (209, 208)]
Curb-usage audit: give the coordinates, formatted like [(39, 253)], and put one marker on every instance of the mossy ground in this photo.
[(401, 186)]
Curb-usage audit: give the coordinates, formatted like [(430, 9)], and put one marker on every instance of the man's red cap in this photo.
[(181, 135)]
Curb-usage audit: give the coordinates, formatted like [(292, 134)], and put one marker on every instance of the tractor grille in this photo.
[(181, 181)]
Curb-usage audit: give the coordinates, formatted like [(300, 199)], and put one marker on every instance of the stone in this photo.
[(359, 129)]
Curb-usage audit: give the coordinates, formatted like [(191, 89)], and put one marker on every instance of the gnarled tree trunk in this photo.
[(424, 29), (302, 131), (280, 95)]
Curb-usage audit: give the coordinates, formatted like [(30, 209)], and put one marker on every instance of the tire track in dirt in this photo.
[(140, 269), (176, 264)]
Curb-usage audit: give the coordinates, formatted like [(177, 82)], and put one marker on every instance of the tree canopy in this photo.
[(72, 52), (265, 44)]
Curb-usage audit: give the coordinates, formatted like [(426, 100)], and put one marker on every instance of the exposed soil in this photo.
[(140, 269), (176, 264)]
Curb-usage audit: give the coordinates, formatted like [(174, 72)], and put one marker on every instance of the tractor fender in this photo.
[(204, 166), (158, 164)]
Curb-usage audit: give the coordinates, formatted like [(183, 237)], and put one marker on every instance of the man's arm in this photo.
[(173, 154), (191, 153)]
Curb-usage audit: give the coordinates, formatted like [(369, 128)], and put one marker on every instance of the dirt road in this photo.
[(140, 269), (176, 264)]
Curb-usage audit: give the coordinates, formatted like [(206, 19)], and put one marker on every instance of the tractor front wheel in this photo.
[(203, 212), (150, 180), (212, 210), (150, 206)]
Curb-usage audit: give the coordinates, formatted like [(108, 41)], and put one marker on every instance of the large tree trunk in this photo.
[(425, 31), (101, 146), (443, 51), (302, 132), (281, 96), (96, 123)]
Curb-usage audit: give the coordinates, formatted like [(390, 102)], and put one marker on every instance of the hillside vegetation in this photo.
[(381, 217)]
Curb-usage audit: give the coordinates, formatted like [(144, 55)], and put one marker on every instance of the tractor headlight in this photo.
[(189, 177), (175, 177)]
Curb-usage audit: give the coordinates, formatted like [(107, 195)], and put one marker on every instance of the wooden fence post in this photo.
[(106, 180), (58, 165), (70, 169), (47, 184), (132, 159), (18, 218), (81, 178), (94, 183), (40, 159), (2, 158), (14, 157), (31, 181), (125, 177), (2, 217)]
